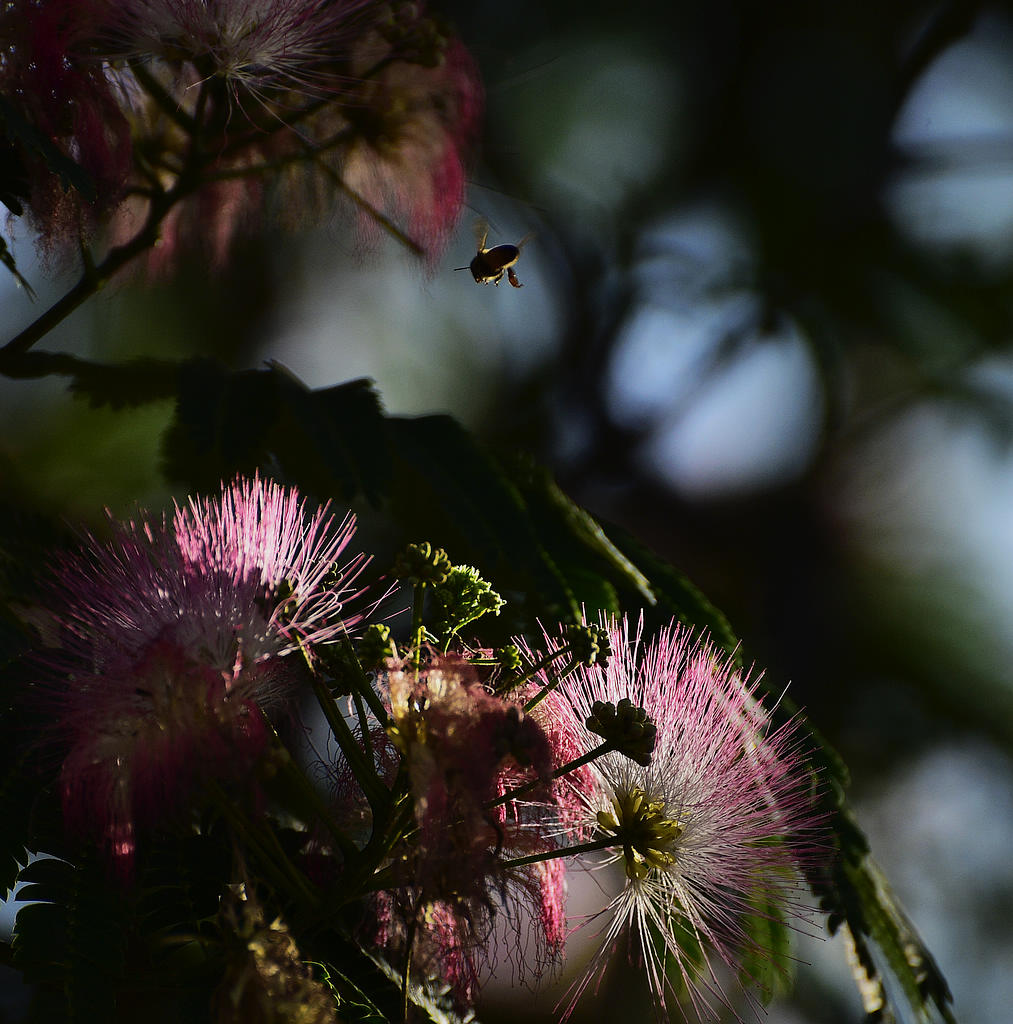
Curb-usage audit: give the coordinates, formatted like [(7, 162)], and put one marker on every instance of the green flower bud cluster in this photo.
[(422, 563), (463, 597), (626, 727), (509, 658), (375, 647), (590, 645)]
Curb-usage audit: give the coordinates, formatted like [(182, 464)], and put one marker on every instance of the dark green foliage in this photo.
[(21, 784), (356, 1007), (332, 441), (180, 891), (430, 474), (862, 903), (38, 145), (16, 800), (550, 558), (856, 897), (71, 939)]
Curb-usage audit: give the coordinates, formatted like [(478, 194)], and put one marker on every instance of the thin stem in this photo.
[(360, 713), (549, 687), (362, 769), (364, 687), (91, 282), (569, 851), (409, 943), (308, 793), (542, 663), (94, 278), (274, 860), (418, 600), (570, 766), (364, 204), (389, 829)]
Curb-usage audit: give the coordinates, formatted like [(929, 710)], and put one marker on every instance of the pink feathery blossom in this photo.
[(710, 832), (466, 749), (259, 536), (552, 904), (175, 639), (295, 44), (353, 98), (199, 117), (417, 128)]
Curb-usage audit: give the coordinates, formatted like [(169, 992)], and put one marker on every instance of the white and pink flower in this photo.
[(710, 833)]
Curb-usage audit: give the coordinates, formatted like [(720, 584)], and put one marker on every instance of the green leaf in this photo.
[(72, 940), (857, 897), (430, 998), (767, 964), (330, 441), (17, 795)]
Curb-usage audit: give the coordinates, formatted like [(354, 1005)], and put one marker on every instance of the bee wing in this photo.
[(524, 241), (481, 229)]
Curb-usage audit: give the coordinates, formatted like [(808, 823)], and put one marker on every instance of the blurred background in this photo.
[(766, 325)]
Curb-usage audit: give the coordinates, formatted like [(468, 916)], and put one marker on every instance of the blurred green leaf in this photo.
[(768, 965)]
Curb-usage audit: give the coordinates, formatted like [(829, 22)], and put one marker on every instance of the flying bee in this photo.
[(491, 264)]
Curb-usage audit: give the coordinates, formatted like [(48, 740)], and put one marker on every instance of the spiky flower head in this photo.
[(174, 642), (250, 44), (710, 832)]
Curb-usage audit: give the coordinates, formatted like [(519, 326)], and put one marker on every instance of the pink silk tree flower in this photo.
[(249, 43), (356, 100), (176, 638), (415, 132), (259, 537), (710, 832), (198, 119), (466, 750)]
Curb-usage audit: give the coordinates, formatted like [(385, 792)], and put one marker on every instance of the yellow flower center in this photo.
[(648, 838)]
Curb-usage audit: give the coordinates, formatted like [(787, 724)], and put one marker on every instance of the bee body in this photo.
[(491, 264)]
